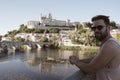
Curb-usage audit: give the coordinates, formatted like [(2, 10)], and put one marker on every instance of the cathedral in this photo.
[(49, 22)]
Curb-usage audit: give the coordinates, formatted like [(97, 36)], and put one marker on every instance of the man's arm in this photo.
[(86, 60), (105, 55)]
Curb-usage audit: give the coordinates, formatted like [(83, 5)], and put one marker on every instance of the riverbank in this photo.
[(79, 47)]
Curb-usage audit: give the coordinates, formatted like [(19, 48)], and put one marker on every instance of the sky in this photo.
[(13, 13)]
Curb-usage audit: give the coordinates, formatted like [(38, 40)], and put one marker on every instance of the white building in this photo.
[(48, 22), (6, 39), (29, 36)]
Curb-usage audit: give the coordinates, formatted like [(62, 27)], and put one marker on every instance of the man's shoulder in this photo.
[(112, 46), (111, 43)]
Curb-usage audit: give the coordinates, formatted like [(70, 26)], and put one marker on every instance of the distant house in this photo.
[(118, 25), (65, 38), (114, 32), (6, 39)]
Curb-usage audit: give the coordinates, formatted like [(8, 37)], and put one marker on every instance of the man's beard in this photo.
[(101, 36)]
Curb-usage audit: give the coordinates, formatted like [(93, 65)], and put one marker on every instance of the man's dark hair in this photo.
[(103, 17)]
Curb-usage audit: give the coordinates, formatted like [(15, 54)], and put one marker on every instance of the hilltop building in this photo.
[(49, 22)]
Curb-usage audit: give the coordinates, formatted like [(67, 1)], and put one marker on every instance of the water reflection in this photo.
[(48, 60), (40, 64)]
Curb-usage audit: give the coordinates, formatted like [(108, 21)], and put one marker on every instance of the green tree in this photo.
[(84, 37), (0, 37), (78, 25), (54, 30), (12, 33), (113, 25), (23, 28), (44, 39), (19, 39), (86, 24)]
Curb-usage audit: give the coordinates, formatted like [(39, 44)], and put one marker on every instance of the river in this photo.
[(45, 64)]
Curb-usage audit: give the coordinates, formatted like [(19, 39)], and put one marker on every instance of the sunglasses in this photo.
[(97, 27)]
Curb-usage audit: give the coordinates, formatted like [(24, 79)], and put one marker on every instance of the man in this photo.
[(106, 64)]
